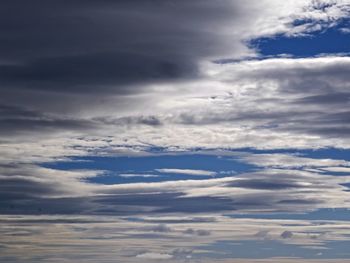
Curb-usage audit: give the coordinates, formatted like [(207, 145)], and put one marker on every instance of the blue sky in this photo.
[(330, 41), (171, 132)]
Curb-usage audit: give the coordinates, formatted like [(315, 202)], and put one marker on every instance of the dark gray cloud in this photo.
[(199, 232), (100, 73), (89, 46), (135, 120), (64, 57), (265, 184), (16, 120), (334, 97), (161, 228), (174, 220), (287, 234)]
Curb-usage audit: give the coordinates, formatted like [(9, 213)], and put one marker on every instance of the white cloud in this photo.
[(337, 169), (154, 255), (139, 175), (279, 160), (186, 171)]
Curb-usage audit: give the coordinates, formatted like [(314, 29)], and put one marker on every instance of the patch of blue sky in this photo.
[(333, 40), (328, 153), (146, 169)]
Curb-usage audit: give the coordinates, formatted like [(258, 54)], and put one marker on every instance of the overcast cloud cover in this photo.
[(160, 131)]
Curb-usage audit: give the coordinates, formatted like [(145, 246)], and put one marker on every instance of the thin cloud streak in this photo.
[(186, 171)]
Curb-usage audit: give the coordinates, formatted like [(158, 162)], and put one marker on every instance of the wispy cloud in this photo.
[(124, 240), (139, 175), (186, 171), (139, 79)]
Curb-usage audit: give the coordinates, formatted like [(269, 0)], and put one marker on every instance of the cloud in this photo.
[(16, 121), (186, 171), (188, 119), (139, 175), (179, 220), (107, 239), (49, 191), (115, 50), (161, 228), (337, 169), (154, 255), (119, 56), (264, 234), (278, 160), (143, 89), (140, 78), (287, 234), (199, 232)]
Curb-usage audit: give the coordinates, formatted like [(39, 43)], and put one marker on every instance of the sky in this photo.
[(163, 131)]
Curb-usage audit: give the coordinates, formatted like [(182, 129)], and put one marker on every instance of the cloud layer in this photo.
[(136, 78)]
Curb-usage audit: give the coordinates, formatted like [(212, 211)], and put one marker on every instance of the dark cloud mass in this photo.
[(61, 58), (94, 46), (80, 65), (20, 121)]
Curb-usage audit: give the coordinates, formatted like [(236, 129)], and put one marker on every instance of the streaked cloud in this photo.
[(186, 171), (85, 82), (111, 238), (138, 175)]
